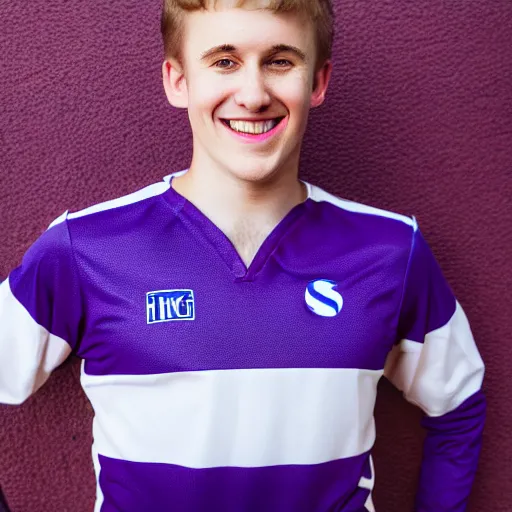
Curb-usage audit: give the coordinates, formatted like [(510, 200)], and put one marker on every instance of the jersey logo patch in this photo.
[(169, 305), (322, 299)]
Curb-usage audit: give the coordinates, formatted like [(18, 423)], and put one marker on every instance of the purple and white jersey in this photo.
[(221, 387)]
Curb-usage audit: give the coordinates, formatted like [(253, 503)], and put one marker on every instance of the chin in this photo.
[(249, 170)]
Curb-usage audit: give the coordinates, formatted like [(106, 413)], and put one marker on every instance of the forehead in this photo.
[(246, 29)]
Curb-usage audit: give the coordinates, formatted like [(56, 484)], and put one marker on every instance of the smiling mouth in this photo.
[(252, 127)]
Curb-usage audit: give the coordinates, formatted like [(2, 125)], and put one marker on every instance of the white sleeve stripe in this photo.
[(168, 178), (145, 193), (410, 346), (439, 374), (320, 195), (59, 220), (28, 352), (406, 345), (150, 191)]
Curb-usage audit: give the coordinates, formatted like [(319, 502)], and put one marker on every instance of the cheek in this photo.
[(206, 94), (295, 94), (297, 103)]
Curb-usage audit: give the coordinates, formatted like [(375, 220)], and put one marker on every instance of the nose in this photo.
[(252, 91)]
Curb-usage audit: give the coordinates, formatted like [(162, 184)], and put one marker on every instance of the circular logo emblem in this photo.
[(322, 299)]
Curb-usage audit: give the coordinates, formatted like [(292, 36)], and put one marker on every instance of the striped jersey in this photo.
[(217, 387)]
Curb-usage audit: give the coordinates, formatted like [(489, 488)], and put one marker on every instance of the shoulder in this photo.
[(367, 223), (368, 213), (114, 209)]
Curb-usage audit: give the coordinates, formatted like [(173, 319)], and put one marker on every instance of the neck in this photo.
[(246, 211), (221, 196)]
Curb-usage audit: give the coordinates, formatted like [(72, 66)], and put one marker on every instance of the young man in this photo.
[(233, 320)]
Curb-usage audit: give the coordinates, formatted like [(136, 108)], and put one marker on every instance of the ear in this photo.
[(175, 83), (320, 83)]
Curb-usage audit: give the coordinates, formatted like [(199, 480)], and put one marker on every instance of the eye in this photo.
[(281, 63), (224, 64)]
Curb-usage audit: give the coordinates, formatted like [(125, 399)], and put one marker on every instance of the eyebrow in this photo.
[(277, 48)]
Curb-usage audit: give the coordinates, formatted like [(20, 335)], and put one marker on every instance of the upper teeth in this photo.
[(253, 127)]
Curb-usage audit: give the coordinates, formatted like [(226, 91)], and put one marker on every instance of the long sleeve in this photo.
[(3, 504), (40, 314), (438, 367)]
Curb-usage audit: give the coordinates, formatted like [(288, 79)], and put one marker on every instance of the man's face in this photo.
[(248, 87)]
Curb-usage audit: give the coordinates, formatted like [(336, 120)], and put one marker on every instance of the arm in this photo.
[(40, 309), (3, 504), (437, 366)]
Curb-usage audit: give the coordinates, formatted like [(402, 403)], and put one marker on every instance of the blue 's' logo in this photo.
[(322, 299), (168, 305)]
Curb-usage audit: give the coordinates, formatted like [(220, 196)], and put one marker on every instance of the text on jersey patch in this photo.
[(169, 305)]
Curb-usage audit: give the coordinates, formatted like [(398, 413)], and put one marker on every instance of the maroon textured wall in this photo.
[(418, 120)]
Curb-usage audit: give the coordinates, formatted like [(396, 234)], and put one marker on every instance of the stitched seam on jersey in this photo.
[(78, 343), (178, 208), (406, 276), (197, 230), (172, 205), (290, 228)]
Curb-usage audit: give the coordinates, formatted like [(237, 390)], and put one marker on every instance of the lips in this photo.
[(256, 138), (253, 127)]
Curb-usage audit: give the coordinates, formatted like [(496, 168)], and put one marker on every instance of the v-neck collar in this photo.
[(203, 227)]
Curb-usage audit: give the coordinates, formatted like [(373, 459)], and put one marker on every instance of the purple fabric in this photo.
[(196, 222), (417, 120), (47, 285), (450, 457), (124, 253), (135, 487), (428, 301), (163, 242), (367, 469)]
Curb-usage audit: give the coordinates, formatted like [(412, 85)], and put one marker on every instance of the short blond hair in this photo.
[(319, 11)]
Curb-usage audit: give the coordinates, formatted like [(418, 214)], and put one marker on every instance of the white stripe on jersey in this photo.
[(28, 352), (319, 195), (242, 418), (145, 193), (150, 191), (439, 374), (97, 468), (315, 193), (369, 484)]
